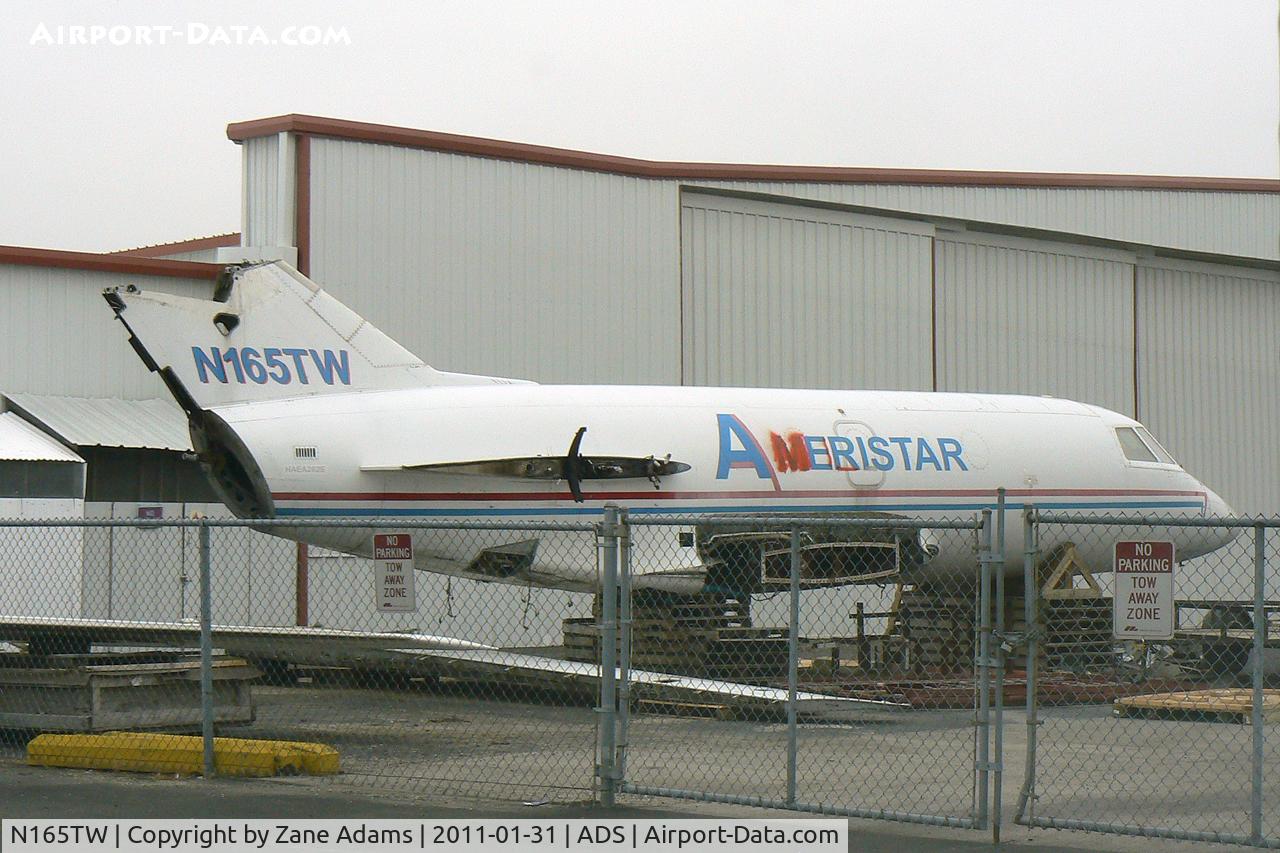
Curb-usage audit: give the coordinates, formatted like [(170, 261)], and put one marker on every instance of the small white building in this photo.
[(39, 479)]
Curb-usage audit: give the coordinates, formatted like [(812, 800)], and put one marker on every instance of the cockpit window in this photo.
[(1156, 447), (1135, 449)]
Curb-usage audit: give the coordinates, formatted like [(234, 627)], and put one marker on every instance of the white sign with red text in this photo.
[(1143, 607), (393, 572)]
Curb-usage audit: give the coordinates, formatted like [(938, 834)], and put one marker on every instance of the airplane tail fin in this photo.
[(269, 333)]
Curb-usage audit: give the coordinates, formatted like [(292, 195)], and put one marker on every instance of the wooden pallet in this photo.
[(703, 609), (693, 649), (81, 695), (939, 624), (1227, 705)]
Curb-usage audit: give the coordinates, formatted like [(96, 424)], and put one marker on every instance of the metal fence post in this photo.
[(1259, 645), (206, 650), (608, 709), (997, 770), (793, 664), (624, 647), (1031, 605), (982, 670)]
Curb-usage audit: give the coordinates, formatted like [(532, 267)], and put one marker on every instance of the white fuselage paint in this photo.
[(941, 456), (344, 422)]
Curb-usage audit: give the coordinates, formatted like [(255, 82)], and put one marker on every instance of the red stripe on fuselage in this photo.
[(738, 495)]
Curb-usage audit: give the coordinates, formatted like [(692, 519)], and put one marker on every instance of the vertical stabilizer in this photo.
[(269, 333)]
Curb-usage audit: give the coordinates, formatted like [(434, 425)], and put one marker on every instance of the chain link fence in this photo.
[(1165, 734), (71, 660), (416, 678), (951, 672), (839, 676)]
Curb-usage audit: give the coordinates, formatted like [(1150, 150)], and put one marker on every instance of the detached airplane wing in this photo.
[(459, 658), (315, 646), (747, 698)]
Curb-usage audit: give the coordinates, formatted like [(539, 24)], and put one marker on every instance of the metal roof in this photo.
[(128, 264), (20, 441), (107, 421), (320, 126), (165, 250)]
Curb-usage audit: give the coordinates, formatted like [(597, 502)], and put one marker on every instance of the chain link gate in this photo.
[(1170, 738), (845, 678)]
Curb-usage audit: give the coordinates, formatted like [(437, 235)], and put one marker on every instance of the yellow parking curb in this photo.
[(160, 753)]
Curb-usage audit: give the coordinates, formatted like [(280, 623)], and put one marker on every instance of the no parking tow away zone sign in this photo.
[(1143, 608), (393, 572)]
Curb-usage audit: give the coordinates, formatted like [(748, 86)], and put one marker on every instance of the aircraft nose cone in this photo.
[(1197, 541), (1216, 507)]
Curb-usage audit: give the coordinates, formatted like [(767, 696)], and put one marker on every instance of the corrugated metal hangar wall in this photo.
[(481, 260), (783, 294), (61, 338)]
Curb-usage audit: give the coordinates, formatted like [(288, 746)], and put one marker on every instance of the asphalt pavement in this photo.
[(40, 792)]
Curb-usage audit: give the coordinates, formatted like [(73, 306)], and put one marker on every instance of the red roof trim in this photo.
[(195, 244), (302, 203), (24, 256), (431, 140)]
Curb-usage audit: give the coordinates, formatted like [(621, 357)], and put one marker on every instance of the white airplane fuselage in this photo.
[(914, 455), (301, 409)]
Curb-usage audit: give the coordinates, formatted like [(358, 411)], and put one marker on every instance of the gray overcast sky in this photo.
[(107, 147)]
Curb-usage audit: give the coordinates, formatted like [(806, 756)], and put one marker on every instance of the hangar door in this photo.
[(789, 295), (1209, 373), (1022, 316)]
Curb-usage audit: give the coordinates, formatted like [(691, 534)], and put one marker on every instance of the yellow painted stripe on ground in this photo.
[(160, 753)]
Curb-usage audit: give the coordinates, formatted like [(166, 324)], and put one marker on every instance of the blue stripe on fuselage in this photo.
[(375, 512)]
